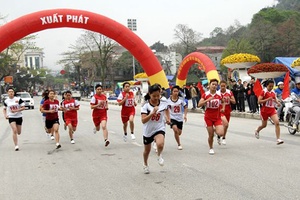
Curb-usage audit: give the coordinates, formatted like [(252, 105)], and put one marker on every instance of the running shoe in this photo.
[(132, 136), (256, 134), (106, 143), (146, 169), (94, 130), (219, 140), (125, 138), (179, 147), (279, 141), (17, 148), (223, 141), (52, 137), (72, 141), (211, 152), (58, 146), (160, 161)]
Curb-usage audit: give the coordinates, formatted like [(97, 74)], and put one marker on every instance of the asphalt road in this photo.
[(246, 168)]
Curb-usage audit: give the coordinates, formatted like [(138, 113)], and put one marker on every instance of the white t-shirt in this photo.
[(157, 121), (176, 109), (13, 104)]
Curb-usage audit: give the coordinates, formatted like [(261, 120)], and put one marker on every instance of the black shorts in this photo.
[(177, 123), (50, 123), (17, 120), (149, 140)]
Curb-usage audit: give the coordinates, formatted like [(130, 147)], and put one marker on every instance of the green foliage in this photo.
[(159, 47)]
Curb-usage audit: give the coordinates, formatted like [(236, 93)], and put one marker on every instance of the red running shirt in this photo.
[(72, 103), (51, 105), (101, 101), (270, 104), (227, 96), (213, 106)]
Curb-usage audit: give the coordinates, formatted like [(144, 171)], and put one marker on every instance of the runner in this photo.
[(212, 117), (126, 99), (44, 98), (63, 113), (100, 106), (51, 108), (12, 110), (154, 114), (70, 107), (268, 100), (229, 99), (177, 115)]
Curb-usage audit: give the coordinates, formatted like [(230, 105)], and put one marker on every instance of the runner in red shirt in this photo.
[(99, 106), (51, 108), (229, 99), (126, 99), (70, 107), (212, 117), (268, 100)]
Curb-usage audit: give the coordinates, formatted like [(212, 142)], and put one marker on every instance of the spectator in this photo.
[(234, 91), (240, 96), (194, 95)]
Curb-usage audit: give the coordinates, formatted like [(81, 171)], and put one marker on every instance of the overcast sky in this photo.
[(156, 19)]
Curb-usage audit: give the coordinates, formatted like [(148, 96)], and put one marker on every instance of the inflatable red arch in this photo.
[(196, 57), (59, 18)]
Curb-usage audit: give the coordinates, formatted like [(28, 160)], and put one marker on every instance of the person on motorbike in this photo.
[(278, 92), (295, 96)]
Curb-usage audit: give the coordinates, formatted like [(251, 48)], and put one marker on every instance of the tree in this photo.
[(187, 40), (99, 51), (288, 5), (159, 47)]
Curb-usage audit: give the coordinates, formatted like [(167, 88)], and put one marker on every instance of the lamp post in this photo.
[(131, 24)]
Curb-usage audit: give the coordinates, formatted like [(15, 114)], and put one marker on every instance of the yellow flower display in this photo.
[(296, 62), (140, 75), (240, 58)]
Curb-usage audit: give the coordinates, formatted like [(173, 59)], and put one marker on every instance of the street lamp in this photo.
[(131, 24)]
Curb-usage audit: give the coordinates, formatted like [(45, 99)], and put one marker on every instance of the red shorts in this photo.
[(97, 120), (74, 122), (227, 115), (126, 113), (213, 122), (266, 113)]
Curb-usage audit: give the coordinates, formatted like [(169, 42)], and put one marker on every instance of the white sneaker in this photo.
[(146, 169), (132, 136), (219, 141), (125, 138), (52, 137), (17, 148), (279, 141), (224, 142), (58, 146), (179, 147), (211, 152), (160, 161), (72, 141), (94, 130), (256, 134)]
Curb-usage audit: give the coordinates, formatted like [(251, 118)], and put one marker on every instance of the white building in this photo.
[(34, 59)]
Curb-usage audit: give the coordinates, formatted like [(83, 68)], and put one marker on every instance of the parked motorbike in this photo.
[(290, 121)]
